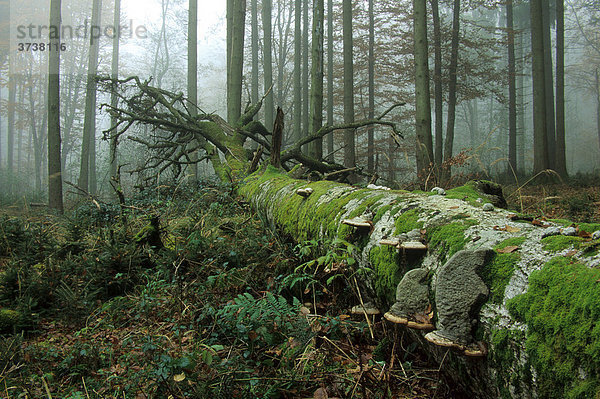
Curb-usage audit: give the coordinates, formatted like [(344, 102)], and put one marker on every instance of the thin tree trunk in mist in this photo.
[(229, 23), (305, 74), (549, 90), (424, 145), (449, 144), (85, 168), (297, 120), (19, 132), (349, 143), (192, 78), (521, 106), (234, 102), (113, 96), (316, 87), (37, 157), (512, 91), (540, 139), (598, 104), (10, 140), (330, 77), (561, 160), (371, 130), (437, 79), (254, 51), (55, 200), (268, 62)]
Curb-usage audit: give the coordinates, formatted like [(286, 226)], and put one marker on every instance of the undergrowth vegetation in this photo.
[(182, 293)]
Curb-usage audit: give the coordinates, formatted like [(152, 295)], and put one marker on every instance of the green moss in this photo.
[(449, 238), (497, 273), (513, 241), (589, 227), (559, 243), (388, 271), (562, 222), (562, 312), (467, 193), (408, 221), (9, 319)]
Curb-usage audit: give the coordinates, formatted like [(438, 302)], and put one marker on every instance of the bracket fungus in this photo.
[(459, 294), (412, 301), (304, 192)]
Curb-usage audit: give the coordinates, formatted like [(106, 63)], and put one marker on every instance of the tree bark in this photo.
[(305, 71), (89, 121), (268, 62), (10, 138), (316, 87), (192, 78), (424, 145), (371, 115), (512, 92), (236, 65), (330, 120), (540, 139), (437, 79), (549, 83), (297, 120), (349, 140), (449, 144), (561, 159), (55, 196), (114, 141)]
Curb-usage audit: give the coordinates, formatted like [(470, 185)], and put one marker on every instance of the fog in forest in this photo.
[(480, 81)]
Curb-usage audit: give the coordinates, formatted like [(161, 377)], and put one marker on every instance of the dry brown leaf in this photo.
[(320, 393), (512, 229), (507, 250)]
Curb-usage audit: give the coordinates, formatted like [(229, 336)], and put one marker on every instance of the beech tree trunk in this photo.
[(55, 196), (316, 87), (349, 141), (424, 145), (512, 92)]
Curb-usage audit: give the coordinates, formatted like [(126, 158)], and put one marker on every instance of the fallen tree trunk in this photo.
[(507, 307)]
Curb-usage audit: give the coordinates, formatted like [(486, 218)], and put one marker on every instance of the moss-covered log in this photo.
[(516, 302), (533, 320)]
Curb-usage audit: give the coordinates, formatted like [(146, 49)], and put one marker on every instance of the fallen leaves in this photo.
[(507, 250)]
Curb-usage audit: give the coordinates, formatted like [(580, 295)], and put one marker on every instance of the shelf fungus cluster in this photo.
[(459, 294)]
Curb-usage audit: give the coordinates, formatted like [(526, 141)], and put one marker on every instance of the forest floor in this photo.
[(100, 304), (95, 304)]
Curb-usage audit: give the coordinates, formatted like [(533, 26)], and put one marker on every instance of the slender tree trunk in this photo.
[(1, 139), (297, 70), (192, 78), (437, 79), (449, 144), (540, 139), (114, 101), (55, 199), (305, 69), (229, 18), (330, 76), (254, 50), (521, 106), (234, 103), (598, 104), (561, 160), (268, 62), (424, 145), (90, 104), (512, 92), (349, 146), (316, 87), (549, 83), (37, 158), (10, 140), (371, 130)]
